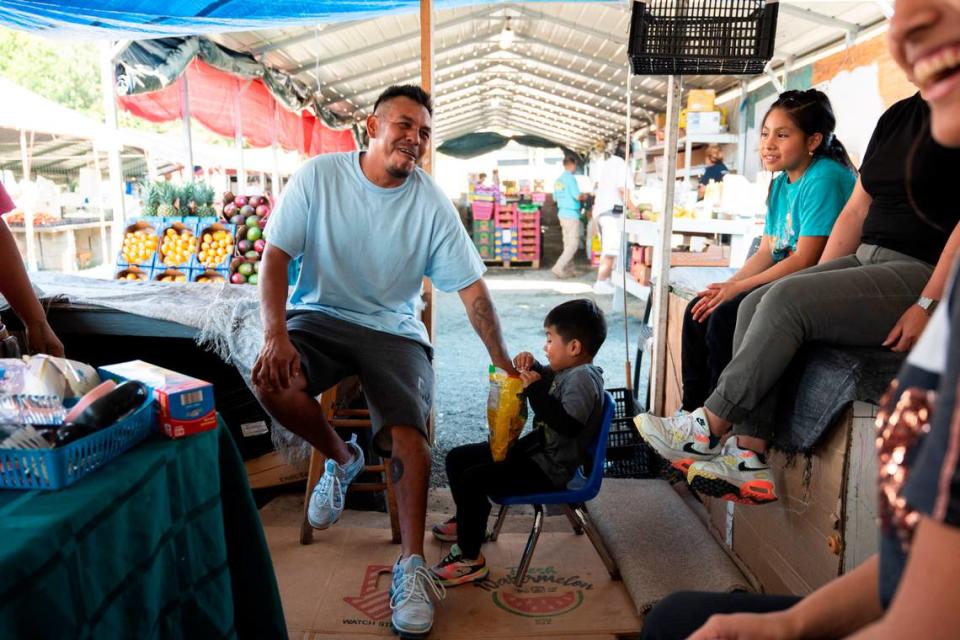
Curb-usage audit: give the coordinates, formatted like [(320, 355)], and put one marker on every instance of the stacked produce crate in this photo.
[(509, 236)]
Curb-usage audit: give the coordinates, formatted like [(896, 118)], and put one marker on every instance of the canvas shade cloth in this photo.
[(163, 542), (213, 103)]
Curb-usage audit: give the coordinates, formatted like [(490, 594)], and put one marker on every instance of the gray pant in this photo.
[(852, 301), (571, 243)]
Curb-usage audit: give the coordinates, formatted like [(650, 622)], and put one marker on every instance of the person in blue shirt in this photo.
[(369, 227), (567, 195), (715, 171), (815, 180)]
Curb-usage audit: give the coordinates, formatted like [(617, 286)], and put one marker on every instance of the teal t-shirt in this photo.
[(807, 207), (566, 194), (365, 248)]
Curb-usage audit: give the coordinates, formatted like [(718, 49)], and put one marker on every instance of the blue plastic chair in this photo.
[(573, 499)]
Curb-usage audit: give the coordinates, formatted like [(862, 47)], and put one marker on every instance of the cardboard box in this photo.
[(184, 404), (703, 122), (701, 100)]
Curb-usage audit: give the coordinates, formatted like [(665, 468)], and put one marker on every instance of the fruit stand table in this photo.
[(163, 542), (66, 247)]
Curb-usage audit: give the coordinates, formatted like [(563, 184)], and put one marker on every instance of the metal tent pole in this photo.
[(662, 254), (28, 203), (624, 245), (114, 167), (185, 114)]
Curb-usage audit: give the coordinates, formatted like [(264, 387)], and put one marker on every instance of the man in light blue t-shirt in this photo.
[(566, 193), (369, 226)]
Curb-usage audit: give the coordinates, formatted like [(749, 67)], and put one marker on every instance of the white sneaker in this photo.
[(410, 598), (327, 499), (738, 475), (680, 440), (603, 288)]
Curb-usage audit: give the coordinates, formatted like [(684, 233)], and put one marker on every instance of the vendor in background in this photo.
[(482, 179), (715, 169), (608, 212), (567, 195), (15, 287)]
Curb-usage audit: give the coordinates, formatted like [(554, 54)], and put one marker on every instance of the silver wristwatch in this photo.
[(927, 304)]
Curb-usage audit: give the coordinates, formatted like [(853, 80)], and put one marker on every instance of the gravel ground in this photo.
[(522, 299)]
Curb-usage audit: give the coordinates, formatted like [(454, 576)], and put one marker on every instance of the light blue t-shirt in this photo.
[(566, 194), (807, 207), (366, 248)]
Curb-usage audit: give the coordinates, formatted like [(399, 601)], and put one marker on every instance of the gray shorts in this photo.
[(396, 372)]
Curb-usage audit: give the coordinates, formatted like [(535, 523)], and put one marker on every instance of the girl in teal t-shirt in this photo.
[(816, 178)]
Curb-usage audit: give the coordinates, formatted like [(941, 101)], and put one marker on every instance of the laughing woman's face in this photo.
[(925, 40)]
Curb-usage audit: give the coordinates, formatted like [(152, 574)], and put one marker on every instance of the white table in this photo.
[(647, 233)]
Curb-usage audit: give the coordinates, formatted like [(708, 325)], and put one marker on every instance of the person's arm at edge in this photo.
[(278, 361), (913, 321), (845, 237), (16, 288), (837, 609), (925, 604), (759, 262), (483, 316)]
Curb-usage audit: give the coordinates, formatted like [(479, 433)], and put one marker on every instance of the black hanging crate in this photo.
[(702, 37)]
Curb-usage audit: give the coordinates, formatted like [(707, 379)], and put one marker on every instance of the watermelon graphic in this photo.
[(538, 606)]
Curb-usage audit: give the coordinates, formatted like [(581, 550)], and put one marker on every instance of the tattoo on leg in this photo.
[(396, 469)]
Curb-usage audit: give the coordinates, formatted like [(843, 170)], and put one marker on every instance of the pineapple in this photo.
[(187, 195), (204, 197), (167, 195), (151, 199)]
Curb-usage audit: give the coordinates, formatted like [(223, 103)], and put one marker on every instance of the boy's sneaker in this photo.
[(410, 592), (680, 440), (738, 475), (454, 569), (326, 501), (446, 531)]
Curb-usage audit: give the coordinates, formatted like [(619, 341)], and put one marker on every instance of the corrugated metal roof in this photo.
[(564, 76)]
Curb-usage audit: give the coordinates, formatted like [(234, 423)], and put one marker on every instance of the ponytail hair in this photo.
[(812, 112)]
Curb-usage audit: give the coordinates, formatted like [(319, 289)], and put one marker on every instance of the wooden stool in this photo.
[(340, 417)]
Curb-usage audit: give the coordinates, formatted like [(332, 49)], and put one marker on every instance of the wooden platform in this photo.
[(513, 264)]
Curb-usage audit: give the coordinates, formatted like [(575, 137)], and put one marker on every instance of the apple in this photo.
[(260, 245), (256, 267), (263, 210), (244, 269), (252, 221), (244, 245), (238, 278), (253, 278), (254, 234), (251, 255), (237, 219), (253, 201), (240, 201), (247, 210), (229, 210)]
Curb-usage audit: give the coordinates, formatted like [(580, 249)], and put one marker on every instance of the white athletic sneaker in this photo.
[(681, 440), (737, 474), (326, 501), (604, 288), (410, 598)]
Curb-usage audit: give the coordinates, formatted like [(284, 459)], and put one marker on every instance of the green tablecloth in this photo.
[(163, 542)]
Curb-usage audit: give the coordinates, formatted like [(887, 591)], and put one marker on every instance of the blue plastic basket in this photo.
[(61, 467)]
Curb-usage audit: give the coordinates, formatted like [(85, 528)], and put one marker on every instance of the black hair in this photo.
[(568, 159), (812, 112), (620, 150), (412, 91), (581, 320)]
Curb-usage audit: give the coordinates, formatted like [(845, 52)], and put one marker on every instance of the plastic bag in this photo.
[(506, 412)]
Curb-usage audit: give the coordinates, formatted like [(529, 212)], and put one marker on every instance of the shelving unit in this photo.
[(687, 144)]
